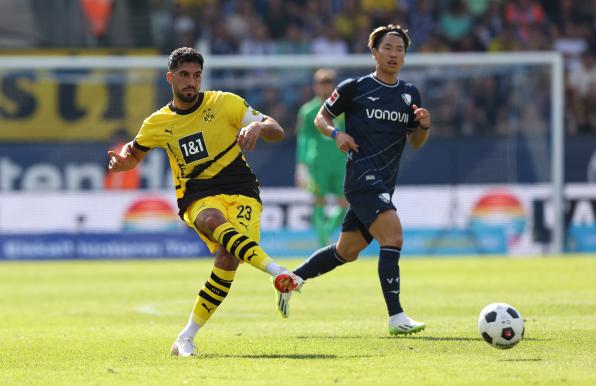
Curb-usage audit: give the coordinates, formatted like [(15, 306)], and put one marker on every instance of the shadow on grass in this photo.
[(452, 338), (434, 338), (333, 337), (521, 360), (283, 356)]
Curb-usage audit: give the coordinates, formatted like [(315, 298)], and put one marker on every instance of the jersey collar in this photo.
[(190, 110), (383, 83)]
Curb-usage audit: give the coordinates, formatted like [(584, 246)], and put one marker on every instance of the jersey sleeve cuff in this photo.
[(140, 147), (329, 111)]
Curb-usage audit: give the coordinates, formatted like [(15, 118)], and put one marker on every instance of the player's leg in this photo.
[(213, 293), (347, 249), (319, 220), (352, 240), (335, 219), (387, 230), (335, 187), (234, 223)]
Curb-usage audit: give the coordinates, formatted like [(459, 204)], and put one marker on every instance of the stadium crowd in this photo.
[(342, 27)]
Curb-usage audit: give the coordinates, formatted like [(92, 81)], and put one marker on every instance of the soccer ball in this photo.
[(500, 325)]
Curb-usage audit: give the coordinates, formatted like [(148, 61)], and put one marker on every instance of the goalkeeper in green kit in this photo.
[(320, 166)]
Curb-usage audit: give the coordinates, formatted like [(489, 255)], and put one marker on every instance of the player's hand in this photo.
[(248, 136), (120, 161), (345, 142), (422, 116)]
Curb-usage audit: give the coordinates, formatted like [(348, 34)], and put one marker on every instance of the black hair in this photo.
[(377, 35), (184, 55)]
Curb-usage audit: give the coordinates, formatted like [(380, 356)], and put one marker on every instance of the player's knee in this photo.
[(393, 240), (348, 254), (208, 220)]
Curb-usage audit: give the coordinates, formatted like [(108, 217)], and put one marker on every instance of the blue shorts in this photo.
[(365, 206)]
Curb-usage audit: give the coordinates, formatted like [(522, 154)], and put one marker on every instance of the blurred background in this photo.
[(483, 184)]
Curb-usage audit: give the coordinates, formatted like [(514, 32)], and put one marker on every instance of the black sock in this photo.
[(320, 262), (389, 277)]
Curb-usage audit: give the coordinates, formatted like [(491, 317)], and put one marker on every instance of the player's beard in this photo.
[(187, 95)]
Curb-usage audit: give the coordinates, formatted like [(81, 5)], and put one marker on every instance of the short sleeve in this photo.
[(241, 113), (145, 140), (340, 99)]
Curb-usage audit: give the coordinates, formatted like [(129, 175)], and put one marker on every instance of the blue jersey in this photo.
[(378, 116)]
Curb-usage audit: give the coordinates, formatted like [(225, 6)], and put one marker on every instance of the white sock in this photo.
[(190, 330), (274, 269)]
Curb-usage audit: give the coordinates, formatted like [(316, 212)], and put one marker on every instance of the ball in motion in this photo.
[(500, 325)]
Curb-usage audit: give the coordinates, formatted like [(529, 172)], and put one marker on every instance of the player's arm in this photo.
[(324, 122), (418, 137), (128, 158), (267, 128)]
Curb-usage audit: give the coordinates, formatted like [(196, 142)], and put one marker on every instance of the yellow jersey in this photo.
[(201, 146)]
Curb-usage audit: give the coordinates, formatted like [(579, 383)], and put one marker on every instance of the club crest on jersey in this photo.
[(407, 98), (385, 197), (208, 115), (333, 98)]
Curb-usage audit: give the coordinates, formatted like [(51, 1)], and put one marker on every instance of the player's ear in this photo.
[(169, 76), (374, 52)]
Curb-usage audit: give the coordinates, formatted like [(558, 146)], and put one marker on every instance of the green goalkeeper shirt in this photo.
[(313, 148)]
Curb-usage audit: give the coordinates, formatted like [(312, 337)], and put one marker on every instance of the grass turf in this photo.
[(112, 322)]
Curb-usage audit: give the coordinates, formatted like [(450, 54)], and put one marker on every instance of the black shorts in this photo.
[(365, 206)]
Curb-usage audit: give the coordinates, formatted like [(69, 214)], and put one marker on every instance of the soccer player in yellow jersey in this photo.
[(204, 135)]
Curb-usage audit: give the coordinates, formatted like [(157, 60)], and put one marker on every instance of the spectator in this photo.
[(455, 22), (257, 42), (522, 14), (582, 93), (421, 18), (329, 43)]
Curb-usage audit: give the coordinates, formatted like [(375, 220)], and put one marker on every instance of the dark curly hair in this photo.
[(377, 35), (184, 55)]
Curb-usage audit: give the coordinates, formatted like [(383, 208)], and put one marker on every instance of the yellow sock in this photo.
[(241, 246), (214, 291)]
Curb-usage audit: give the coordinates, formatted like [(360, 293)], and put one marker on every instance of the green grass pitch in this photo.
[(112, 323)]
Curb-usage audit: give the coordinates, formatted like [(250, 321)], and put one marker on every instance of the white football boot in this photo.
[(401, 324), (285, 283), (183, 347), (283, 303)]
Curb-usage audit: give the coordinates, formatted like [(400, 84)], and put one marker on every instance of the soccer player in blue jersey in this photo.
[(382, 113)]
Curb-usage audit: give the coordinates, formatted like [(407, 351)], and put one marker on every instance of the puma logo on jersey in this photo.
[(387, 115), (169, 131), (374, 99)]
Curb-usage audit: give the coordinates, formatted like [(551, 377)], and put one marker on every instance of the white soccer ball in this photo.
[(500, 325)]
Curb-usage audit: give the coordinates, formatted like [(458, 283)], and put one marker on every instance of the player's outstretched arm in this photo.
[(268, 129), (418, 137), (128, 158), (324, 122)]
